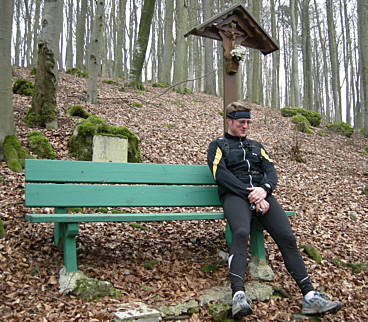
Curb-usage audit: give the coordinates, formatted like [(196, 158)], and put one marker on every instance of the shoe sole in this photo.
[(243, 312), (330, 310)]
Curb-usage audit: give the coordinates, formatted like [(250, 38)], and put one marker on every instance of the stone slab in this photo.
[(109, 149), (137, 311)]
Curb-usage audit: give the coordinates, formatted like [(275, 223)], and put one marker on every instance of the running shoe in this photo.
[(241, 305), (319, 304)]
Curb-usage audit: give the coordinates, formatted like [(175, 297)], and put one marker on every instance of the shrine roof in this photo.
[(240, 26)]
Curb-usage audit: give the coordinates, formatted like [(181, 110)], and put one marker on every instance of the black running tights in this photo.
[(277, 224)]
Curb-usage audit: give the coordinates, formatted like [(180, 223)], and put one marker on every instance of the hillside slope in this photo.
[(325, 191)]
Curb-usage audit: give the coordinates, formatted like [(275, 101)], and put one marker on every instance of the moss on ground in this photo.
[(77, 110), (23, 87), (341, 128), (40, 145), (301, 123), (314, 118)]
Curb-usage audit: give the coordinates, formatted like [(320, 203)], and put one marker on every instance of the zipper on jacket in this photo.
[(248, 163)]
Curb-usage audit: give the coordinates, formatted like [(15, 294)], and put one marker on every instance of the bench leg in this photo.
[(256, 238), (258, 266), (58, 233), (68, 233)]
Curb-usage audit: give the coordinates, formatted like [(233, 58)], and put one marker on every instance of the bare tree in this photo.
[(168, 42), (94, 59), (334, 60), (80, 34), (120, 39), (294, 76), (43, 111), (209, 81), (6, 109), (140, 47), (363, 58), (180, 62), (307, 57)]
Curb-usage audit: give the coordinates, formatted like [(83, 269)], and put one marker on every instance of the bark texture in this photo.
[(6, 110)]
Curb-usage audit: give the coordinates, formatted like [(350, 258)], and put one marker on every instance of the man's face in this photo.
[(238, 127)]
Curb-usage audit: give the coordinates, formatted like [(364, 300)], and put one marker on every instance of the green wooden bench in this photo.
[(69, 184)]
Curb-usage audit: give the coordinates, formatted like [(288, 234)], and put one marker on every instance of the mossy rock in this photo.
[(90, 289), (23, 87), (312, 252), (40, 145), (14, 153), (301, 123), (314, 118), (161, 85), (288, 112), (77, 72), (365, 191), (80, 144), (341, 128), (77, 110), (220, 312)]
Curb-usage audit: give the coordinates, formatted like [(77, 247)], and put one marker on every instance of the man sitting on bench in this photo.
[(246, 177)]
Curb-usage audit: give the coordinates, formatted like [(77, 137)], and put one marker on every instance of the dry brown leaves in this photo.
[(173, 128)]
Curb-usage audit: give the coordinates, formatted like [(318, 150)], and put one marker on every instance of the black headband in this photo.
[(239, 115)]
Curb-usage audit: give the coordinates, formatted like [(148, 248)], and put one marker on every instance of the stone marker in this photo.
[(140, 312), (109, 149)]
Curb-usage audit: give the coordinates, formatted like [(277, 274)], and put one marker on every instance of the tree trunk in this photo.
[(180, 62), (60, 34), (94, 60), (168, 43), (18, 34), (209, 80), (140, 47), (69, 45), (28, 33), (36, 27), (275, 94), (80, 35), (335, 78), (43, 110), (255, 94), (325, 65), (6, 108), (294, 76), (363, 59), (120, 39), (307, 58)]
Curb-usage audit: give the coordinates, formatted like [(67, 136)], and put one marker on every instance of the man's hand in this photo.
[(264, 205), (257, 195)]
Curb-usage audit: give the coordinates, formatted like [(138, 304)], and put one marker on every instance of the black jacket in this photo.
[(239, 163)]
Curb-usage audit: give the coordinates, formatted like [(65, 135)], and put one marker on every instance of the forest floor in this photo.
[(326, 191)]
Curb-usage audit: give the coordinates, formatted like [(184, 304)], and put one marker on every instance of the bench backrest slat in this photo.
[(85, 195), (113, 172)]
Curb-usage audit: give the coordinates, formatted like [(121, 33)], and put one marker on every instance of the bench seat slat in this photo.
[(69, 195), (114, 172), (123, 217)]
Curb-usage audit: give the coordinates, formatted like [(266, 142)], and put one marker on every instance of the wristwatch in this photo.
[(267, 187)]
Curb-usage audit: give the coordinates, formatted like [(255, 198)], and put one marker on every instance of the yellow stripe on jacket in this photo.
[(218, 157), (264, 154)]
